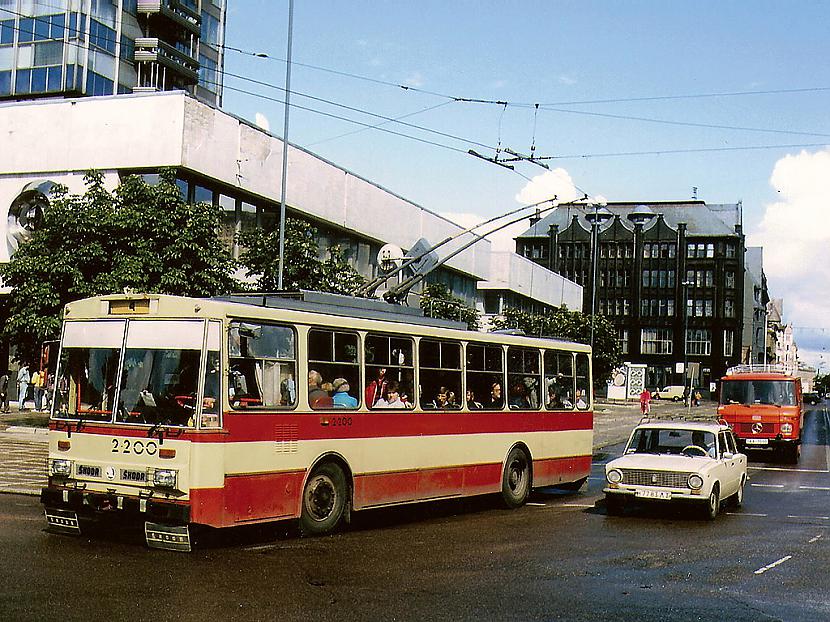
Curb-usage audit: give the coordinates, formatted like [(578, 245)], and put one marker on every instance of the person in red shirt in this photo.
[(645, 402)]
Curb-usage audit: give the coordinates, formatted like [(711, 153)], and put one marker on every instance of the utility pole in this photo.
[(285, 142)]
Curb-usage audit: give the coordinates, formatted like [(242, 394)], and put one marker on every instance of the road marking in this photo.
[(785, 470), (815, 487), (578, 505), (811, 540), (768, 485), (773, 564), (809, 517), (538, 505), (747, 514), (263, 547)]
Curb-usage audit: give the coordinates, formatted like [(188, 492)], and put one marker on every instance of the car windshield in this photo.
[(669, 441), (749, 392)]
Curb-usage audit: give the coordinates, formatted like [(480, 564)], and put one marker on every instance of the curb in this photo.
[(20, 491)]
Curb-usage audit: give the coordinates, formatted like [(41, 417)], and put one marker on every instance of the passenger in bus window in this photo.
[(317, 397), (392, 398), (472, 404), (581, 399), (341, 397), (496, 399), (288, 391), (518, 396), (442, 399), (375, 389)]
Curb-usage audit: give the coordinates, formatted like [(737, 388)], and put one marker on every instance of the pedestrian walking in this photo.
[(645, 402), (4, 391), (23, 379), (38, 385)]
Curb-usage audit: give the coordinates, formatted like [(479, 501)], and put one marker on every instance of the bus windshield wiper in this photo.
[(157, 427)]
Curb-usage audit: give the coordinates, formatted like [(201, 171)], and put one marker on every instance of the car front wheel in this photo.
[(713, 503)]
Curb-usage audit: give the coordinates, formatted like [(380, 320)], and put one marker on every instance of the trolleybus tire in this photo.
[(324, 500), (712, 505), (515, 483)]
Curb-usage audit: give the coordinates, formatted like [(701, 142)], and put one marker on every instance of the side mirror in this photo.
[(727, 455)]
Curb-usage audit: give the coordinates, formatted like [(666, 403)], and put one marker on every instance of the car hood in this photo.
[(660, 462)]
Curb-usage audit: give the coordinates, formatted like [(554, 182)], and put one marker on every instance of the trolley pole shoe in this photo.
[(62, 521), (167, 537)]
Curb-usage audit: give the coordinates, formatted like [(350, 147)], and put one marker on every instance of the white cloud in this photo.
[(567, 80), (557, 183), (795, 234), (262, 121), (416, 80)]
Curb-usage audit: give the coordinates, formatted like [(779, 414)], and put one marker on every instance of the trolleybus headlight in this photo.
[(695, 481), (614, 476), (786, 428), (165, 478), (61, 467)]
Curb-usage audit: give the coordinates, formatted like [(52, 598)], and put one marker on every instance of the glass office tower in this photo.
[(71, 48)]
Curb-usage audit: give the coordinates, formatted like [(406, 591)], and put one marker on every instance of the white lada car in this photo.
[(672, 460)]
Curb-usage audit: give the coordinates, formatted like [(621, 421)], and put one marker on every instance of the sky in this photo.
[(630, 100)]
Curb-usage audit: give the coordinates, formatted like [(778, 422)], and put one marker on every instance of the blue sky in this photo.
[(556, 54)]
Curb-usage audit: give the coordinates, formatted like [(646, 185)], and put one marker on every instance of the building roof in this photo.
[(701, 219)]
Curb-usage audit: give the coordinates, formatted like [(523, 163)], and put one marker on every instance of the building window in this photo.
[(730, 281), (622, 340), (730, 249), (728, 342), (656, 341), (729, 308), (699, 341)]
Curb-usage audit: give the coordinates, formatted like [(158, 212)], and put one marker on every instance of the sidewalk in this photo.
[(24, 439)]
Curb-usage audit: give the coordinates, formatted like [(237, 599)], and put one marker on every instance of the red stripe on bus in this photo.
[(274, 496), (336, 425)]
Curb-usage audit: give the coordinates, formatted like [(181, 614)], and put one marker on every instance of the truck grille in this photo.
[(745, 429), (664, 479)]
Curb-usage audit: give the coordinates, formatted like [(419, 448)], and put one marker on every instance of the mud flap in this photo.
[(167, 537), (62, 521)]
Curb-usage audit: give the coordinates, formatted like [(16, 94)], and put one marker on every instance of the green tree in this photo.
[(303, 268), (571, 326), (141, 236), (821, 384), (437, 301)]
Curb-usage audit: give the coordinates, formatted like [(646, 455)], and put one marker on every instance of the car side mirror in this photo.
[(728, 455)]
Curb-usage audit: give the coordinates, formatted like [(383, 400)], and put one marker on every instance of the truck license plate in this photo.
[(756, 441), (653, 494)]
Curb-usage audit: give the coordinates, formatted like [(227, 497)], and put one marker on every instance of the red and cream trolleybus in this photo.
[(764, 407), (231, 411)]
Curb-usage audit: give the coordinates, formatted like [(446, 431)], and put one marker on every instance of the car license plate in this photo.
[(653, 494), (756, 441)]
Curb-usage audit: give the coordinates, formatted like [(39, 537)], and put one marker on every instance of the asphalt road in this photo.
[(558, 558)]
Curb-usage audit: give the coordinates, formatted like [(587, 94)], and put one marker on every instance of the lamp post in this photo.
[(596, 217), (686, 389)]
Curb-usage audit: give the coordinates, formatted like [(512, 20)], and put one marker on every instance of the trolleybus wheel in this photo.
[(515, 483), (324, 500)]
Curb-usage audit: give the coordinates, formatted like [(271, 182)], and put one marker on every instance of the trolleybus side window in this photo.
[(212, 388), (583, 382), (523, 378), (263, 366), (333, 355), (440, 374), (389, 362), (87, 370), (559, 380), (485, 376)]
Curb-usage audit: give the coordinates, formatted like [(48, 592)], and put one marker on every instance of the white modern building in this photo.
[(226, 160)]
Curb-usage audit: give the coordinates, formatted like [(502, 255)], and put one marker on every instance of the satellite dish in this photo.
[(390, 257)]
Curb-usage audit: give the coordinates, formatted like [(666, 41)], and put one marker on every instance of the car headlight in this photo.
[(61, 467), (695, 481), (786, 428), (165, 478), (614, 476)]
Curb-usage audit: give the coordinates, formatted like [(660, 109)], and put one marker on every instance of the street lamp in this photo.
[(596, 217), (686, 390)]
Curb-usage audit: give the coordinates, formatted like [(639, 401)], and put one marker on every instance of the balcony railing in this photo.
[(151, 49), (173, 10)]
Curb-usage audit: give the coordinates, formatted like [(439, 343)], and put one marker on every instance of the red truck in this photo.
[(765, 408)]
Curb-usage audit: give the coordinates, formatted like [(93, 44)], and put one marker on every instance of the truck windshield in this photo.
[(749, 392)]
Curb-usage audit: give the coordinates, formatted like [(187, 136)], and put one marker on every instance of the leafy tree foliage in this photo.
[(821, 384), (437, 301), (303, 268), (571, 326), (141, 236)]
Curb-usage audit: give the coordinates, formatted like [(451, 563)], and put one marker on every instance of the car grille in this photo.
[(664, 479)]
